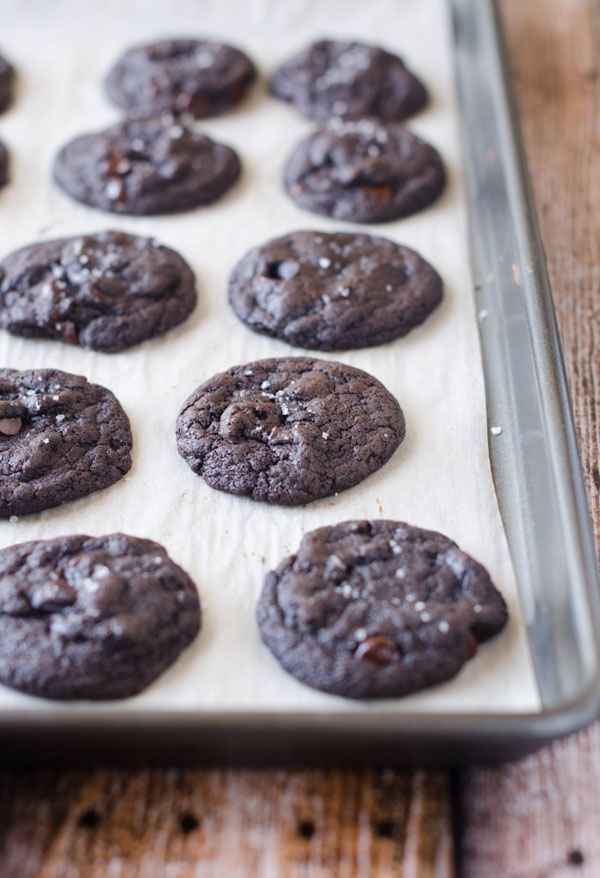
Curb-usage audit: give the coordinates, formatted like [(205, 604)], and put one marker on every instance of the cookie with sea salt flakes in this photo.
[(145, 166), (333, 291), (3, 165), (288, 430), (200, 77), (106, 291), (377, 609), (60, 438), (364, 172), (92, 617), (7, 80), (348, 79)]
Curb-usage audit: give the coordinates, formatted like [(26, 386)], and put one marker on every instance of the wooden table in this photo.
[(539, 817)]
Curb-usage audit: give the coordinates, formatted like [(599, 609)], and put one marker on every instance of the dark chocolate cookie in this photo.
[(146, 166), (333, 291), (377, 609), (289, 430), (106, 291), (3, 164), (7, 79), (350, 80), (364, 172), (60, 438), (193, 76), (92, 617)]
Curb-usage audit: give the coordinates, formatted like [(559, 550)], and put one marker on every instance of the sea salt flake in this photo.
[(444, 627), (400, 573), (265, 384), (420, 605), (112, 189), (477, 608), (324, 262), (495, 431), (360, 634), (425, 617)]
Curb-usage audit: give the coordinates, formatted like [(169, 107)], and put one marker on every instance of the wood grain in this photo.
[(152, 824), (541, 817)]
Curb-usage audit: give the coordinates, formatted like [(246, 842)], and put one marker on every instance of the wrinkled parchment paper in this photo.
[(440, 476)]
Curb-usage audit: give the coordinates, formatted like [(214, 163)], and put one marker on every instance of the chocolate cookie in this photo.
[(106, 291), (146, 166), (60, 438), (333, 291), (7, 80), (289, 430), (377, 609), (350, 80), (193, 76), (92, 617), (364, 172), (3, 165)]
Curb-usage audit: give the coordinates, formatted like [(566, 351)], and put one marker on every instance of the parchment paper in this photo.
[(440, 476)]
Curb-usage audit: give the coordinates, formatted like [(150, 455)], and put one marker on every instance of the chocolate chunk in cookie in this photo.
[(377, 609), (364, 172), (199, 77), (289, 430), (92, 617), (60, 438), (3, 165), (350, 80), (7, 81), (146, 166), (333, 291), (106, 291)]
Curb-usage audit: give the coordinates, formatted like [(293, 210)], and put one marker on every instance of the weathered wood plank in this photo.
[(153, 824), (541, 817)]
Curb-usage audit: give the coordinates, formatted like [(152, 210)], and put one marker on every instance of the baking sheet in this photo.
[(439, 478)]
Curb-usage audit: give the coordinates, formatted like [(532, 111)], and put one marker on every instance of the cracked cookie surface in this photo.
[(92, 617), (3, 165), (289, 430), (61, 438), (105, 291), (333, 291), (364, 172), (350, 80), (377, 609), (145, 166), (199, 77), (7, 81)]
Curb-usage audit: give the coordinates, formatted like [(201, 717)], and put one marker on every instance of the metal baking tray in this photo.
[(537, 473)]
